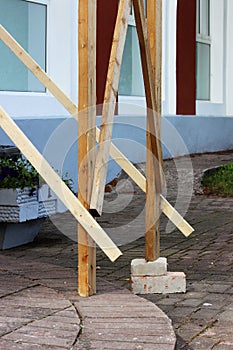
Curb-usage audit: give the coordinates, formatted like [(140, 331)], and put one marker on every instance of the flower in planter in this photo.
[(17, 172)]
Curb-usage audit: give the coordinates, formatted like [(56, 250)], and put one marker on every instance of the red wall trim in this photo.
[(186, 57), (106, 19)]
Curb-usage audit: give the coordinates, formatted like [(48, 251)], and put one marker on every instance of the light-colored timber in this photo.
[(153, 143), (71, 107), (86, 139), (109, 105), (58, 186)]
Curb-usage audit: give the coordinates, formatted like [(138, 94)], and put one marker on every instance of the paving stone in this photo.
[(189, 331), (24, 337), (226, 315), (11, 345), (100, 345), (222, 346), (203, 343), (189, 302)]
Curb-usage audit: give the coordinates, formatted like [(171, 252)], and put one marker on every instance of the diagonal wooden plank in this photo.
[(38, 72), (58, 186), (153, 143), (111, 91), (152, 101), (140, 180), (115, 153)]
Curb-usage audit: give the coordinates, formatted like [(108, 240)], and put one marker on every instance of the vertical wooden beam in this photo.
[(154, 23), (154, 153), (86, 138)]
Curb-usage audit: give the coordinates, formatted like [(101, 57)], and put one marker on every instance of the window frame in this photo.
[(203, 38), (134, 101), (34, 93), (61, 66)]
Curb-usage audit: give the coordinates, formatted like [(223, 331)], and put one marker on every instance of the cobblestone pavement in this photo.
[(40, 310), (202, 318)]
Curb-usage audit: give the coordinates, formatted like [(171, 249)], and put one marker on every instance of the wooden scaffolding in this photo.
[(92, 165)]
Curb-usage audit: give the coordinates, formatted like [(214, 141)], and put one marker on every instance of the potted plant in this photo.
[(25, 199)]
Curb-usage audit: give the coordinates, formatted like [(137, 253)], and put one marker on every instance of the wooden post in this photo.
[(153, 144), (111, 91), (86, 138), (154, 23)]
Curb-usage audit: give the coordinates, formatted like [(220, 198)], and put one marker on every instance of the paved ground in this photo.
[(202, 318), (40, 310)]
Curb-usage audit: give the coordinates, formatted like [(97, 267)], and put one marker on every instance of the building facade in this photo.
[(197, 106)]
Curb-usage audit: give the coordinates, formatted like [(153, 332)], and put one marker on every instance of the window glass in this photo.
[(203, 71), (205, 14), (203, 50), (26, 22), (131, 79)]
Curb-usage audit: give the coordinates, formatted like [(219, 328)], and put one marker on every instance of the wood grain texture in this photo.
[(58, 186), (110, 96), (68, 104), (86, 139), (154, 24), (153, 142)]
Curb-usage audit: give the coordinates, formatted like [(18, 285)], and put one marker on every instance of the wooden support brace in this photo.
[(153, 143), (38, 72), (148, 76), (154, 24), (86, 139), (140, 180), (68, 104), (58, 186), (109, 104)]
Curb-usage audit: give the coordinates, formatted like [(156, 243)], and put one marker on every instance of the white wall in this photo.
[(229, 58), (216, 105), (169, 57), (181, 135)]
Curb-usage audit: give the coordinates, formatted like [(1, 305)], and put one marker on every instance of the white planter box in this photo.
[(47, 201), (22, 213), (10, 196), (17, 205), (16, 234)]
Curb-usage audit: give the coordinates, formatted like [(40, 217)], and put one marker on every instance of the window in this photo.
[(131, 78), (203, 47), (26, 22)]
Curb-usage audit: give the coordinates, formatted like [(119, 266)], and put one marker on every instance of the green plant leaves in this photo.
[(220, 182), (17, 172)]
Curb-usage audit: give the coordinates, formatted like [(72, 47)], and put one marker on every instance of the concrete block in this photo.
[(172, 282), (141, 267)]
